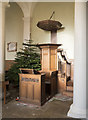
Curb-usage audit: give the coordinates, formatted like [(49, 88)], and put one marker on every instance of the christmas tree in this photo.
[(28, 57)]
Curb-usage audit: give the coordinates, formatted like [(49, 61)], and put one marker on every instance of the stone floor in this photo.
[(52, 109), (57, 107)]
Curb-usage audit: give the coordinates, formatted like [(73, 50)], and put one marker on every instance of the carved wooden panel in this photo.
[(30, 91), (45, 59), (37, 93), (49, 58), (45, 62), (31, 88), (53, 63), (53, 59), (23, 89)]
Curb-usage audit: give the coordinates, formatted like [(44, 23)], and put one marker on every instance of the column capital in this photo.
[(4, 5)]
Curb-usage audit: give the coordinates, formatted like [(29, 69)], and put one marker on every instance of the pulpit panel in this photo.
[(45, 59), (37, 92), (23, 89), (30, 88)]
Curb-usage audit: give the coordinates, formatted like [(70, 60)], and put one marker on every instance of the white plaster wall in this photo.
[(13, 29), (64, 12)]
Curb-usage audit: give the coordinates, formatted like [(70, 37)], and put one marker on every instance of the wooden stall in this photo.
[(32, 88), (50, 83)]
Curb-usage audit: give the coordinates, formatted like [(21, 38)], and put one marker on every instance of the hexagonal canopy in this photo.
[(49, 25)]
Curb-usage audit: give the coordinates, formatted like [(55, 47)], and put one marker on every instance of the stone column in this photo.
[(2, 39), (78, 108), (2, 57), (27, 34)]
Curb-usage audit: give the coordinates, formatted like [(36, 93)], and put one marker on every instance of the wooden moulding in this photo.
[(48, 45), (26, 71)]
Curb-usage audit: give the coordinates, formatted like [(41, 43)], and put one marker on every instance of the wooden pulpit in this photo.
[(38, 88), (49, 67), (49, 56)]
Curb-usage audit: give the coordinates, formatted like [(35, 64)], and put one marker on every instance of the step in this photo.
[(68, 93), (69, 88), (70, 83)]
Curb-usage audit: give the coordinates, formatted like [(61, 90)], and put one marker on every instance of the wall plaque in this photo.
[(12, 46)]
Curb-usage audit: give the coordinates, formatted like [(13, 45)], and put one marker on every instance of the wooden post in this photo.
[(4, 83), (4, 93), (54, 36)]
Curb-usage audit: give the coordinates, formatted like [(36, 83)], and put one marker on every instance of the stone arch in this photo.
[(24, 8)]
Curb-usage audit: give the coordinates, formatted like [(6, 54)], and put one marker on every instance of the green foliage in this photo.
[(28, 57)]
